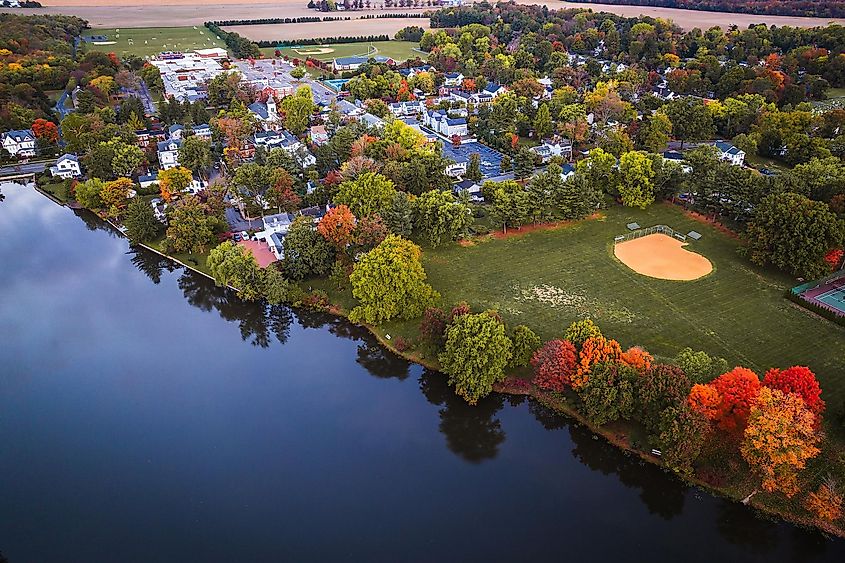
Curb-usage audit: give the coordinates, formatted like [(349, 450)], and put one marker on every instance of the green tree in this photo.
[(190, 228), (298, 109), (439, 217), (195, 154), (654, 133), (87, 193), (543, 122), (233, 265), (475, 355), (511, 205), (474, 167), (690, 119), (682, 433), (609, 393), (307, 253), (298, 73), (126, 158), (400, 216), (525, 343), (793, 233), (523, 163), (599, 172), (368, 194), (389, 282), (140, 221), (700, 367), (636, 174), (579, 331)]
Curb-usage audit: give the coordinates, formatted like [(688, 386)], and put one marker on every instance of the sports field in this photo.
[(398, 50), (149, 41), (548, 278)]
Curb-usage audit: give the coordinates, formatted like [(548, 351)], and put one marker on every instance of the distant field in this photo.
[(347, 28), (148, 41), (398, 50), (547, 279)]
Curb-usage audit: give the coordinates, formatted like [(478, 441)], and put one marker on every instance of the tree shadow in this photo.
[(472, 433)]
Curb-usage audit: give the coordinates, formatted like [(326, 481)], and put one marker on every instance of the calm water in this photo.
[(146, 415)]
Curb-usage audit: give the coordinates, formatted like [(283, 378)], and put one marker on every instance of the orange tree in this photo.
[(779, 439), (337, 227), (826, 502), (737, 390), (596, 350), (798, 380)]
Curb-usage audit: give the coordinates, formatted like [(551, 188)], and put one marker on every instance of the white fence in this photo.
[(657, 229)]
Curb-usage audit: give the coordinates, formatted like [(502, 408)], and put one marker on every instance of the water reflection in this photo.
[(151, 264), (471, 432)]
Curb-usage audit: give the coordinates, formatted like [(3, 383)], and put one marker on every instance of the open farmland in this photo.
[(148, 41), (345, 28)]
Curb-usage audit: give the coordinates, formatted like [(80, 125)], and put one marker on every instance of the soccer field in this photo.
[(547, 279), (149, 41), (398, 50)]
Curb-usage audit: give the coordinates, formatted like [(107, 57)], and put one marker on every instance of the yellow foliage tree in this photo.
[(173, 181), (826, 502), (779, 439)]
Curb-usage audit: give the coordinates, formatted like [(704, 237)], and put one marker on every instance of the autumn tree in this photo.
[(800, 381), (705, 400), (337, 227), (173, 181), (737, 389), (433, 325), (389, 282), (637, 358), (525, 343), (233, 265), (45, 131), (369, 232), (116, 192), (281, 195), (595, 350), (825, 502), (475, 354), (555, 363), (682, 434), (779, 439)]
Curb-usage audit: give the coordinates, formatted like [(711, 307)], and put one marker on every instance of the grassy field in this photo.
[(149, 41), (398, 50), (547, 279)]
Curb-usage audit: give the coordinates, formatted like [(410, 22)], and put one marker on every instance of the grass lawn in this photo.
[(759, 162), (149, 41), (398, 50), (197, 261), (547, 279)]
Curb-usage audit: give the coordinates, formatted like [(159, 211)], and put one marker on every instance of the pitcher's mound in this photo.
[(664, 257)]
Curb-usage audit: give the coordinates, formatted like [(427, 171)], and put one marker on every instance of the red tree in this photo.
[(801, 381), (738, 390), (370, 231), (45, 130), (337, 226), (554, 365)]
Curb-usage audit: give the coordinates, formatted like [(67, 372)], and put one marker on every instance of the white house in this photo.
[(284, 140), (402, 109), (354, 63), (168, 153), (553, 147), (440, 122), (203, 131), (20, 143), (176, 131), (453, 79), (471, 188), (371, 120), (730, 153), (275, 229), (318, 134), (267, 114), (67, 166)]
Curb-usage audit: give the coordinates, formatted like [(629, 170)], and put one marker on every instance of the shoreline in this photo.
[(615, 436)]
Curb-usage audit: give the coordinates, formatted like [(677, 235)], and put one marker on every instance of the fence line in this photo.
[(656, 229)]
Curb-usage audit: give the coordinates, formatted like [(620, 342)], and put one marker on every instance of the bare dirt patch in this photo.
[(663, 257)]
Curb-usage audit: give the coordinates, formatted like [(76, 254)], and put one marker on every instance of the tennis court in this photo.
[(834, 298), (828, 293)]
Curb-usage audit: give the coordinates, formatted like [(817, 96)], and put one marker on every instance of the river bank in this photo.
[(620, 435)]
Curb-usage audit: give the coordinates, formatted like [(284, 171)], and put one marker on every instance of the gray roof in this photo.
[(68, 156), (19, 135), (726, 147), (165, 145), (259, 109)]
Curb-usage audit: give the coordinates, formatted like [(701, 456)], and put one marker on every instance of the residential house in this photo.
[(553, 147), (275, 228), (413, 107), (284, 140), (730, 153), (67, 166), (454, 79), (348, 109), (159, 209), (203, 131), (457, 166), (441, 122), (267, 114), (567, 171), (371, 120), (168, 153), (20, 143), (146, 137), (470, 187), (318, 135), (176, 131)]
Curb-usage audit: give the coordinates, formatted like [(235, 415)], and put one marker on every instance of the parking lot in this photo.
[(265, 69), (491, 159)]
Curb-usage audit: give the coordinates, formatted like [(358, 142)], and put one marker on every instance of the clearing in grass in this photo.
[(150, 41), (397, 50), (663, 257)]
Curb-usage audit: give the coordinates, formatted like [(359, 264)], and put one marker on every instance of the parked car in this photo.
[(244, 235), (236, 237)]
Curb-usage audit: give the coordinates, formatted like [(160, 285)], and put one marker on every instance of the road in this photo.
[(28, 168)]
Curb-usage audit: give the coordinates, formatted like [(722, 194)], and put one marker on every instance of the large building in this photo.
[(185, 77)]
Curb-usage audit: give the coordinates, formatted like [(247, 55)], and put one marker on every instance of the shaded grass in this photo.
[(158, 39), (547, 279), (195, 260)]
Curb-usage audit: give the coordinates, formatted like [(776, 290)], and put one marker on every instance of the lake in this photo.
[(147, 415)]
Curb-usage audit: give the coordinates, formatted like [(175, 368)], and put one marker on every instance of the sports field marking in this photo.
[(663, 257), (315, 51)]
